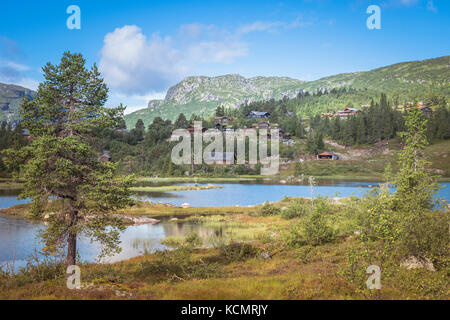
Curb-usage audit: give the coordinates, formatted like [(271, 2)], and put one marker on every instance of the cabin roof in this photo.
[(325, 154), (259, 113), (106, 154)]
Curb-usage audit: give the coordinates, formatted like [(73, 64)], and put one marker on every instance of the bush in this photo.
[(425, 235), (294, 236), (268, 210), (238, 251), (316, 230), (322, 206), (293, 211), (193, 240)]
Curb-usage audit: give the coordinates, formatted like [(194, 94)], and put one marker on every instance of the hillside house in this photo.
[(263, 125), (191, 129), (327, 115), (26, 135), (425, 109), (123, 131), (105, 156), (346, 113), (327, 156), (223, 119), (258, 115)]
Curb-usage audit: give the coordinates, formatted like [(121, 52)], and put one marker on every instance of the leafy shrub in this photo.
[(293, 211), (294, 236), (193, 240), (238, 251), (376, 218), (316, 229), (425, 234), (268, 210), (322, 206)]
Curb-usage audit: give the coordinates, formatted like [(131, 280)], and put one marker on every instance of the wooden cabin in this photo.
[(346, 112), (26, 135), (223, 119), (327, 156), (105, 156), (258, 115), (191, 129)]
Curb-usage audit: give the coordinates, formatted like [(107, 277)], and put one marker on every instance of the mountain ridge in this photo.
[(202, 94), (10, 98), (195, 95)]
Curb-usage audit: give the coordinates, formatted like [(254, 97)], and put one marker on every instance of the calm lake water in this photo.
[(245, 194), (18, 236), (18, 240)]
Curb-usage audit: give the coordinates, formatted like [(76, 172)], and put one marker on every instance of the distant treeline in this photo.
[(9, 136), (147, 150), (377, 122)]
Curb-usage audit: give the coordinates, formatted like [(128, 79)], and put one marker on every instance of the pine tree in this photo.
[(62, 161)]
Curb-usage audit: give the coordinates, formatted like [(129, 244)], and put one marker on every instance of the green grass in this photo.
[(336, 270), (200, 179), (6, 183), (140, 208), (173, 188)]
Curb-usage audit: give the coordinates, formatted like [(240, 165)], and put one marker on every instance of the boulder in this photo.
[(412, 262)]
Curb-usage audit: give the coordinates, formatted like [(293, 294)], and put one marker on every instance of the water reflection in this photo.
[(18, 240)]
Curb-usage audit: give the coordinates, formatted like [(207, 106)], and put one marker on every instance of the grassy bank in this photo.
[(8, 184), (144, 209), (173, 188), (200, 179)]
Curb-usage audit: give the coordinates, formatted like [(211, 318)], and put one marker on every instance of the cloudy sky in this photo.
[(144, 47)]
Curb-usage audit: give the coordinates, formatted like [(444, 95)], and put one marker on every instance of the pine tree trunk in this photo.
[(72, 249), (72, 239)]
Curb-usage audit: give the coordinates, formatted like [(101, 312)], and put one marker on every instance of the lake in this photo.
[(18, 236), (252, 193), (18, 240)]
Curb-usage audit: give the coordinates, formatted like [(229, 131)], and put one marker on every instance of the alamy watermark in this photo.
[(74, 20), (374, 20), (374, 280), (74, 278), (186, 153)]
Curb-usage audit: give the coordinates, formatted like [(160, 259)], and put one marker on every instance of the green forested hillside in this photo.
[(10, 97), (408, 79), (402, 82), (201, 95)]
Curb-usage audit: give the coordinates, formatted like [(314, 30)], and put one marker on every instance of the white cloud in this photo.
[(27, 83), (13, 73), (259, 26), (133, 64), (17, 66), (272, 27), (134, 102)]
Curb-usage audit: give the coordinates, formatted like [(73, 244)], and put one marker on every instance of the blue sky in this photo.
[(144, 47)]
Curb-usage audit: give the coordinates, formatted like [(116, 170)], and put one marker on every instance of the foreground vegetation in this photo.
[(293, 249)]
